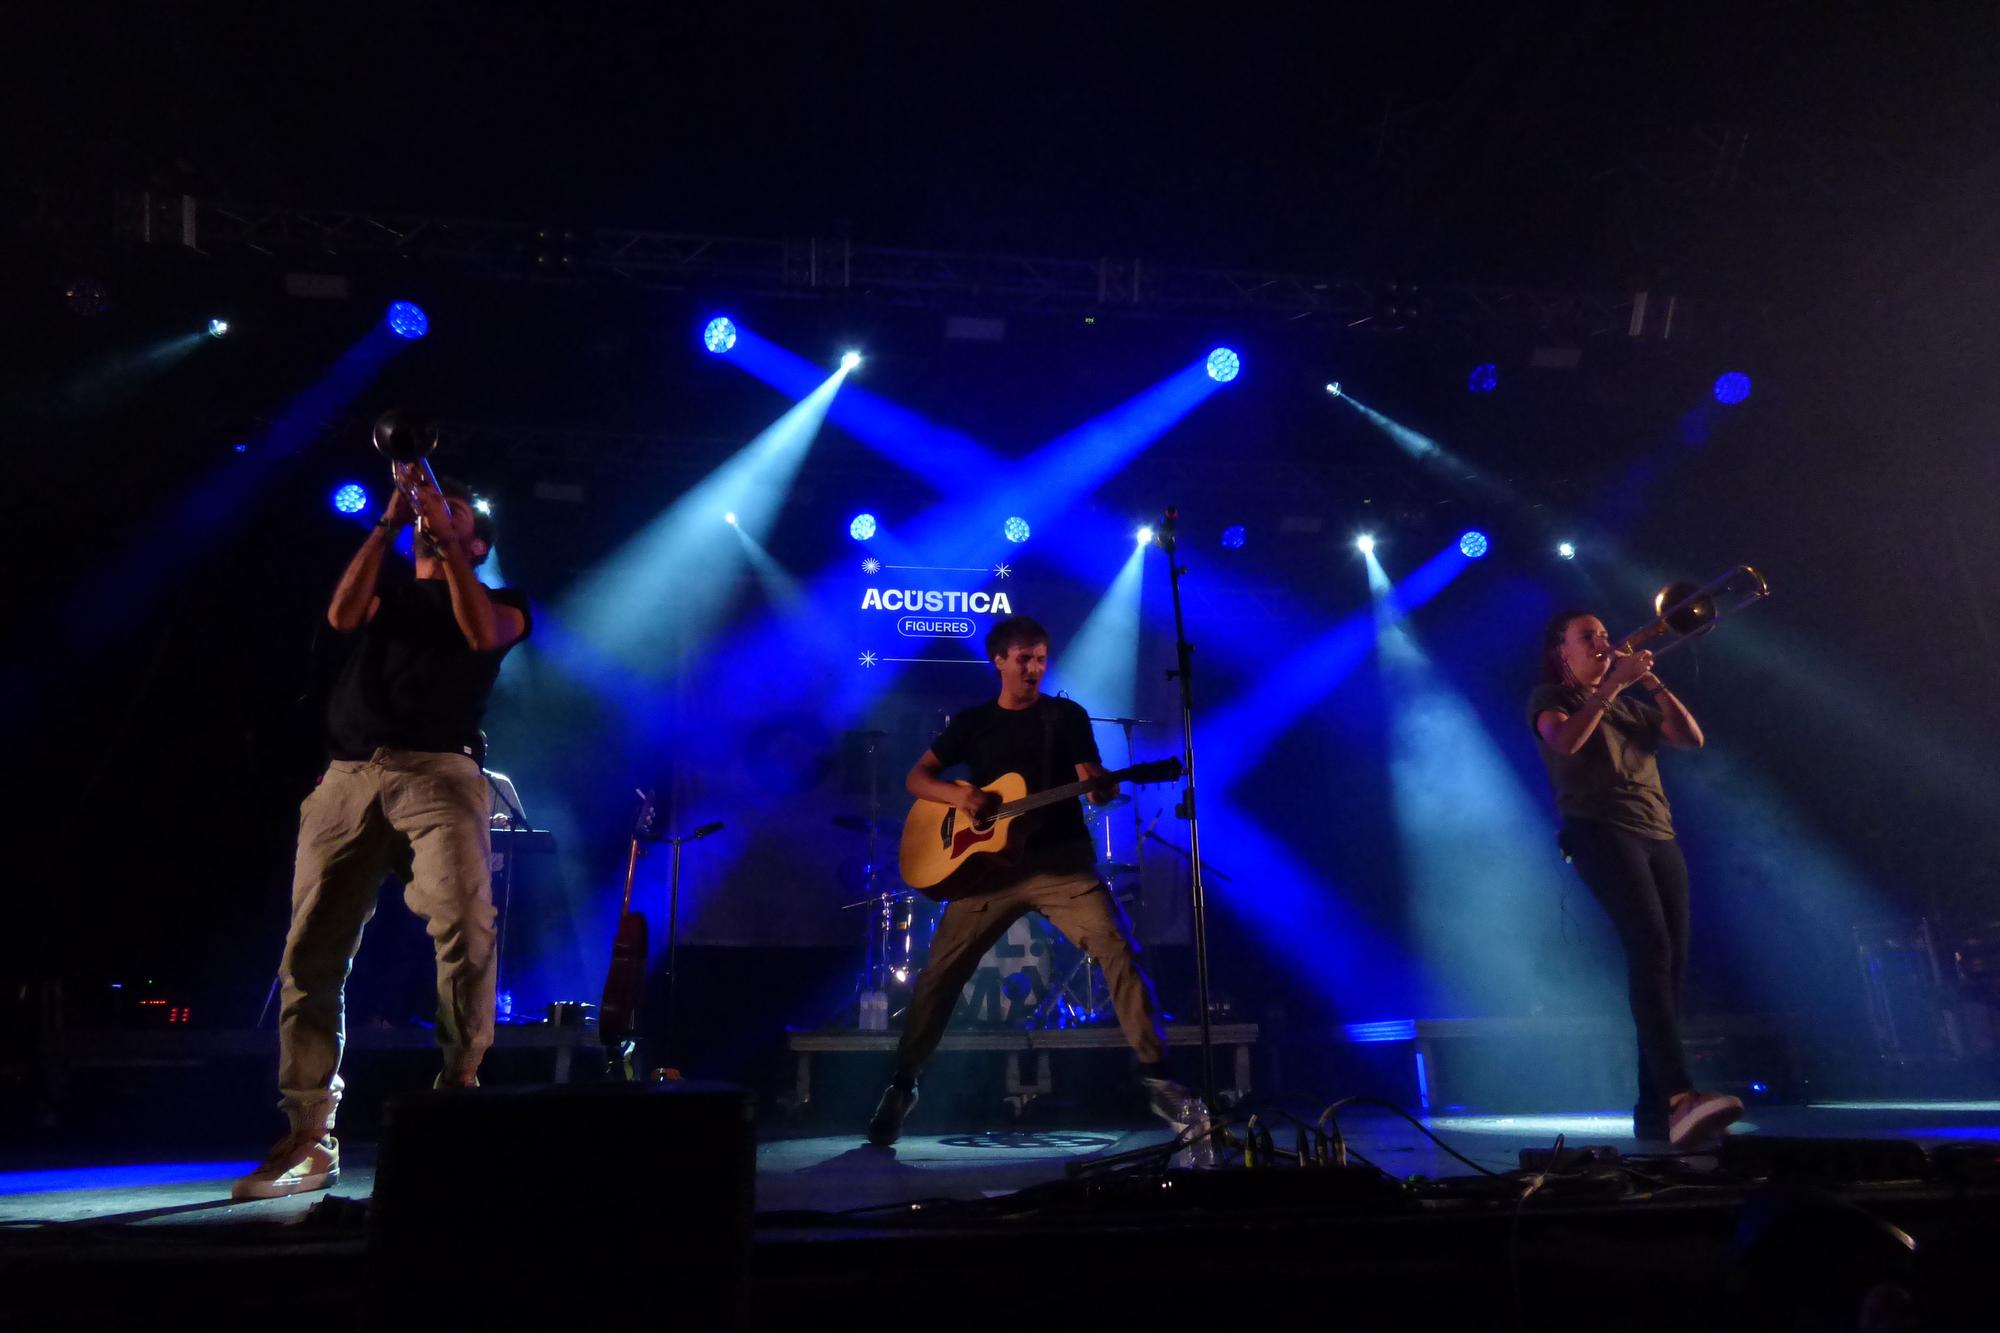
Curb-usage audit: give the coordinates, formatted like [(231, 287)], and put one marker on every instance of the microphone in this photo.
[(1169, 522), (704, 831)]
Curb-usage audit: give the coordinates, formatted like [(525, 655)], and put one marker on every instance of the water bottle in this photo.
[(1198, 1153)]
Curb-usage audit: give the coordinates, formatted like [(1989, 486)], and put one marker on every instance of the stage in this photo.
[(104, 1236)]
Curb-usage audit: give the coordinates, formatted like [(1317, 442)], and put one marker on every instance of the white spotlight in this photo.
[(730, 519), (1365, 544), (1334, 388), (217, 327), (1144, 536), (850, 361), (1566, 551), (484, 506)]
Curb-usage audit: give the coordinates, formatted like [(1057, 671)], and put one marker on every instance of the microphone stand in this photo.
[(673, 916), (1166, 535)]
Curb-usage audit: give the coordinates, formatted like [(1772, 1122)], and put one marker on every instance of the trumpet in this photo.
[(1686, 611), (407, 440)]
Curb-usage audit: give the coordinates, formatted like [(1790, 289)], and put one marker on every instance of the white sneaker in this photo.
[(299, 1163), (1698, 1122)]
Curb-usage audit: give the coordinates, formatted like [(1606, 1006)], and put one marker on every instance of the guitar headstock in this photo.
[(1158, 770)]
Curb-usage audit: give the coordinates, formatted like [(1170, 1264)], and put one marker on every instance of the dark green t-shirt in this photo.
[(1615, 778)]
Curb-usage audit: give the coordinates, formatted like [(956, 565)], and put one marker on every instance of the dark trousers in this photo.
[(1642, 884)]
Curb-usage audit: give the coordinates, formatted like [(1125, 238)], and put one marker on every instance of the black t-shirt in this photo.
[(1615, 778), (411, 681), (1044, 744)]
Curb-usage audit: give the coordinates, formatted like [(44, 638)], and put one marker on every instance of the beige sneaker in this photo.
[(299, 1163)]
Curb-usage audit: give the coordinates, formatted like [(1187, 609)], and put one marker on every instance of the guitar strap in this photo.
[(1048, 745)]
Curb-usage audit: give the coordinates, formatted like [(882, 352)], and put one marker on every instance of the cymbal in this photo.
[(888, 828)]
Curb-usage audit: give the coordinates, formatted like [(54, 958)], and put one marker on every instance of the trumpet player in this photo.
[(403, 794), (1600, 746)]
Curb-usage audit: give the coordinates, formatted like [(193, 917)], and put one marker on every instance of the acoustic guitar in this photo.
[(939, 840), (625, 982)]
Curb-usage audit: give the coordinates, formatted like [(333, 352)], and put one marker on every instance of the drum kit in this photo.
[(1032, 977)]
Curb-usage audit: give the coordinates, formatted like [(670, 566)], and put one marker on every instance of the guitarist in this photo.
[(1049, 742)]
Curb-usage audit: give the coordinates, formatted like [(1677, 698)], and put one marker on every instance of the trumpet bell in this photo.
[(405, 437)]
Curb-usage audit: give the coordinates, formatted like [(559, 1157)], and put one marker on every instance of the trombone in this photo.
[(1685, 611)]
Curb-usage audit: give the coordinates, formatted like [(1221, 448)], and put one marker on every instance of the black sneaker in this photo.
[(886, 1125)]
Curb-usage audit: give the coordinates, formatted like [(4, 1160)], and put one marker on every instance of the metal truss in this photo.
[(819, 267)]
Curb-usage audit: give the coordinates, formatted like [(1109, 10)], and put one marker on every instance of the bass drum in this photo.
[(1013, 978)]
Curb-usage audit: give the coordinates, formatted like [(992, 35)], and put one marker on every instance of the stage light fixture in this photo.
[(1365, 544), (719, 336), (1732, 388), (1224, 365), (217, 327), (1566, 550), (862, 528), (1334, 388), (350, 498), (850, 360), (484, 506), (1233, 538), (1473, 544), (1144, 536), (730, 518), (1015, 529), (1484, 379), (408, 320)]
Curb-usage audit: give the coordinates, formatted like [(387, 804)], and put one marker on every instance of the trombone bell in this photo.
[(1684, 611)]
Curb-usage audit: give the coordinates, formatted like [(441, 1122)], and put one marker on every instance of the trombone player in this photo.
[(1600, 748), (403, 793)]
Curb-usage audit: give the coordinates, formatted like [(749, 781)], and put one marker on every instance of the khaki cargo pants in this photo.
[(426, 818), (1077, 905)]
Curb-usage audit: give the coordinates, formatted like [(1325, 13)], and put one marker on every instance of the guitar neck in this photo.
[(1065, 793)]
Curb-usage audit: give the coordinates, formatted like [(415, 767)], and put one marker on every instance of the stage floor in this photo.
[(801, 1174)]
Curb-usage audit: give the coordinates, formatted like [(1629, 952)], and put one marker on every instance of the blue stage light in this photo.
[(1224, 365), (408, 320), (1233, 538), (719, 336), (850, 361), (217, 327), (730, 518), (1473, 544), (1365, 544), (1015, 529), (1732, 388), (862, 528), (1144, 536), (1566, 550), (1484, 379), (351, 498), (1333, 388)]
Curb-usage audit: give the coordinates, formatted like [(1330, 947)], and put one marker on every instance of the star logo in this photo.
[(1003, 571), (868, 658), (871, 566)]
